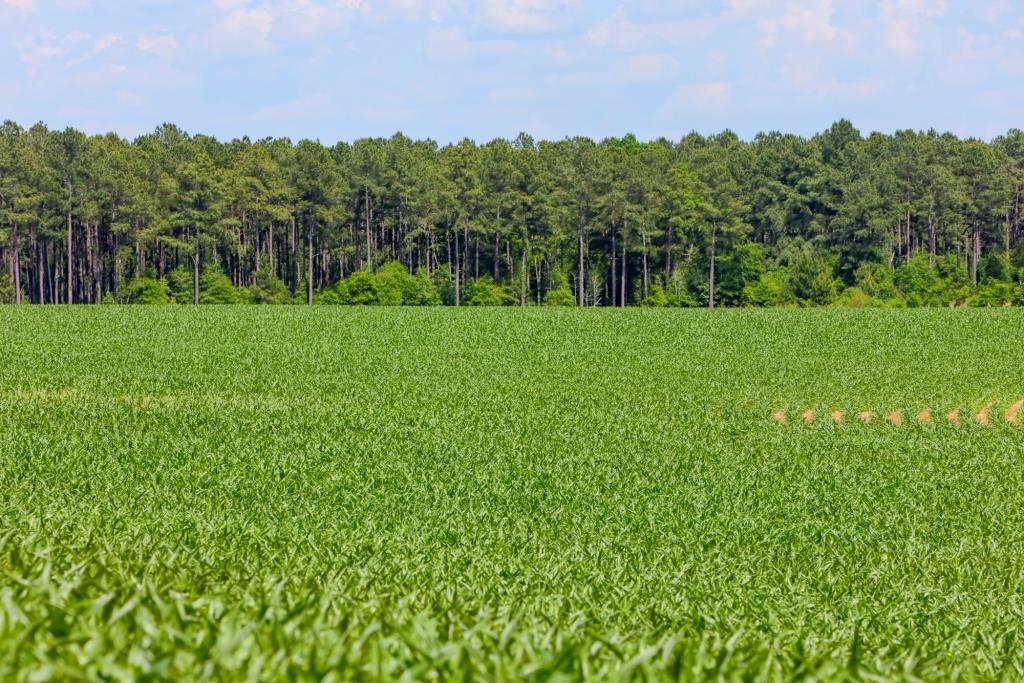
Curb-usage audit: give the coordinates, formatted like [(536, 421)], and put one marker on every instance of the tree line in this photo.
[(913, 218)]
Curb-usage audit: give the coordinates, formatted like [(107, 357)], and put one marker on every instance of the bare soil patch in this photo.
[(1013, 412), (982, 416)]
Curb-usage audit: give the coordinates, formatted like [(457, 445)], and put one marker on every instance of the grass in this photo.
[(291, 494)]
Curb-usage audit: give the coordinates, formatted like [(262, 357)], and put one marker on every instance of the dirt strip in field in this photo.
[(1013, 411), (1014, 415)]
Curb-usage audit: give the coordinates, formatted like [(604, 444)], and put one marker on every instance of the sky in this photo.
[(447, 69)]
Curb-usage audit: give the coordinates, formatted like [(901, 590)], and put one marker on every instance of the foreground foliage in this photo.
[(338, 493)]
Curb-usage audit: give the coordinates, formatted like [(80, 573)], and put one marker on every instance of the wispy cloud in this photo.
[(526, 16), (699, 97), (487, 67), (162, 45)]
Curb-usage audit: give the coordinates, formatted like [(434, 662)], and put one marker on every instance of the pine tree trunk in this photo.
[(580, 287), (615, 281), (647, 272), (908, 237), (309, 265), (622, 290), (465, 254), (458, 288), (195, 272), (525, 287), (931, 236), (70, 300), (40, 278), (711, 270), (369, 256), (975, 256), (497, 248), (15, 263)]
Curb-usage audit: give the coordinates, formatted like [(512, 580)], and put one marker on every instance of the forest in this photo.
[(840, 218)]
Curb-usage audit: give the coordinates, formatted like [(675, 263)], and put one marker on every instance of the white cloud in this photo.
[(714, 96), (304, 19), (620, 32), (294, 110), (451, 45), (22, 5), (811, 21), (161, 45), (974, 56), (639, 68), (242, 28), (34, 56), (525, 16), (249, 26), (383, 11), (803, 75), (650, 67), (101, 75), (130, 99), (100, 44), (903, 20)]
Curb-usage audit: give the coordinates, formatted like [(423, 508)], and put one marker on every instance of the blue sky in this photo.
[(447, 69)]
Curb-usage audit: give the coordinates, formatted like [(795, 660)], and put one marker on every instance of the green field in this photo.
[(293, 493)]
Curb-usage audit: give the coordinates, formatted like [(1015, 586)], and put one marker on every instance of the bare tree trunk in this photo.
[(70, 299), (15, 263), (465, 254), (976, 256), (622, 285), (49, 277), (615, 281), (908, 236), (524, 290), (309, 263), (458, 288), (647, 272), (89, 266), (195, 272), (711, 270), (580, 292), (539, 281), (497, 248), (1007, 234), (366, 201), (270, 248), (81, 273), (40, 273), (931, 235), (668, 255)]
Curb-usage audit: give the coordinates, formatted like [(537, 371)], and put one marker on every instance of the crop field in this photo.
[(286, 493)]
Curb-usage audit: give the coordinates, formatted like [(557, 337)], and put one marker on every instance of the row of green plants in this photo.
[(246, 494)]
